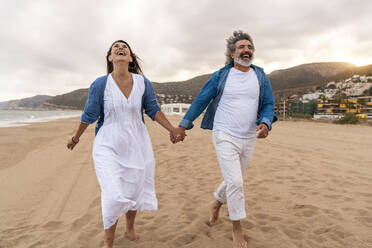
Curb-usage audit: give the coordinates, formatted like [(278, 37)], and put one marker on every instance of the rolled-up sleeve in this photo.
[(92, 107), (267, 112), (202, 100), (150, 104)]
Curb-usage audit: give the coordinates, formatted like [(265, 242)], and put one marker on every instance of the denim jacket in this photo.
[(211, 95), (94, 109)]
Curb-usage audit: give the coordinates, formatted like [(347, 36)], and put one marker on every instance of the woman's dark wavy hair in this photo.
[(133, 66)]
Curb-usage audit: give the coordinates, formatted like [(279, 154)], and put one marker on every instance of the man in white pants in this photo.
[(240, 108)]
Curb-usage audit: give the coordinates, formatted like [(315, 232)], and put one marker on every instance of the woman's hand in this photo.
[(72, 143), (178, 134)]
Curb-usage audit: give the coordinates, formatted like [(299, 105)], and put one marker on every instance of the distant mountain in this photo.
[(362, 70), (285, 82), (188, 87), (301, 78), (26, 103), (295, 80), (73, 100)]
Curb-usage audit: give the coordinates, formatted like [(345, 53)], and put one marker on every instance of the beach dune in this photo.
[(308, 185)]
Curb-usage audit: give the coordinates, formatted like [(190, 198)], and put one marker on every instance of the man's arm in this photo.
[(200, 103), (197, 107), (267, 111)]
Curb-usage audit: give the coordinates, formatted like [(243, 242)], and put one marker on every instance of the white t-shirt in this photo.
[(237, 110)]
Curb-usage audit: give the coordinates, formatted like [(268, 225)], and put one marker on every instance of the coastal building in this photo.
[(329, 108), (361, 106), (312, 96), (351, 95), (175, 108)]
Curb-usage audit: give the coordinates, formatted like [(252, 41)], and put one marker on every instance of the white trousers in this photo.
[(233, 156)]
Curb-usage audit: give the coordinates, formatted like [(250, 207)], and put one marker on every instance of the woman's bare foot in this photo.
[(215, 208), (238, 236), (130, 233)]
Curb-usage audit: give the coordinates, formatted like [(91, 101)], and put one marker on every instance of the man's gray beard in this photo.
[(240, 61)]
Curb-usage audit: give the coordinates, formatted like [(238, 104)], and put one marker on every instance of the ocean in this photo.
[(11, 118)]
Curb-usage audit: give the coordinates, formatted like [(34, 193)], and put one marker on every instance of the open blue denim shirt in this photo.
[(211, 95), (94, 106)]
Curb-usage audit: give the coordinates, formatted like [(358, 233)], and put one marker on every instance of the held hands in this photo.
[(262, 131), (177, 134)]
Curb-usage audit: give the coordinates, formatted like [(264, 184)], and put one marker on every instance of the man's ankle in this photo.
[(236, 225)]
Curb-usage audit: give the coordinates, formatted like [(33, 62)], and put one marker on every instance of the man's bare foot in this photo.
[(238, 237), (108, 241), (216, 206)]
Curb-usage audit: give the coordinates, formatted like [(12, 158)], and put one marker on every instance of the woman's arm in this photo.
[(152, 109), (163, 121), (75, 139)]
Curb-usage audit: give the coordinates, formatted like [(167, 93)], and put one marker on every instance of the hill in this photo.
[(26, 103), (295, 80), (300, 79), (72, 100)]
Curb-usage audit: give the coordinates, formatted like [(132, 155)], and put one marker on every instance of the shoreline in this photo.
[(33, 116), (56, 118)]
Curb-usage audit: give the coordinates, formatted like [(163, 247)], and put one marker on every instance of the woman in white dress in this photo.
[(122, 150)]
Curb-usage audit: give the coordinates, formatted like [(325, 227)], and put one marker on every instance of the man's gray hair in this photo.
[(230, 46)]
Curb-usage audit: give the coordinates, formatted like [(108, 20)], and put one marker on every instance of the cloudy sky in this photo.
[(53, 47)]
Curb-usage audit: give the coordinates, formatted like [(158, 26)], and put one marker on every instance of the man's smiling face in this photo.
[(244, 51)]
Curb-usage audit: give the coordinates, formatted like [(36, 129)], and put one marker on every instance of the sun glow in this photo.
[(340, 45), (358, 61)]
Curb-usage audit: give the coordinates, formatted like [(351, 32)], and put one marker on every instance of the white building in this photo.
[(312, 96), (175, 108)]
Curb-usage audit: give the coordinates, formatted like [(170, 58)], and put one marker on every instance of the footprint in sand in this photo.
[(262, 223), (184, 239), (340, 232), (333, 214), (303, 210), (318, 238), (269, 230), (332, 196), (275, 218), (51, 225), (321, 230), (148, 217), (82, 221), (261, 216), (366, 221), (293, 234), (247, 224)]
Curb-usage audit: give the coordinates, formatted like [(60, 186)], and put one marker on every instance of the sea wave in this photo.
[(14, 118)]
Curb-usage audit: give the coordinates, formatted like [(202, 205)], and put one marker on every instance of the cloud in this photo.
[(52, 47)]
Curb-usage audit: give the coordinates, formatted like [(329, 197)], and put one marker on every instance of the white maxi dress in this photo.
[(122, 154)]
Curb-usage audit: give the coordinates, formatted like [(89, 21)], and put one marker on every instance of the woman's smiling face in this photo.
[(120, 52)]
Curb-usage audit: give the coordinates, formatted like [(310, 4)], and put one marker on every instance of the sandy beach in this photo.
[(308, 185)]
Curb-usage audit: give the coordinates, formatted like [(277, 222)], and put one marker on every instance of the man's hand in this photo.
[(178, 134), (71, 143), (262, 131)]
